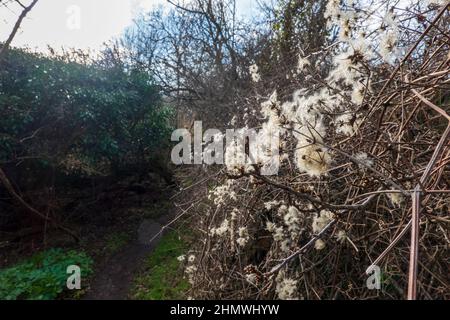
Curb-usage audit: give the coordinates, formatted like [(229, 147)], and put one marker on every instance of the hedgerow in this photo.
[(363, 179)]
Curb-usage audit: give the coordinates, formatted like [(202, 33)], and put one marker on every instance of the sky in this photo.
[(81, 24)]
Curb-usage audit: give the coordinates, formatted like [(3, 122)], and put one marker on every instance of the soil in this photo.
[(113, 281), (114, 278)]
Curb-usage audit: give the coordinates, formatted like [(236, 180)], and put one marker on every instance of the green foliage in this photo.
[(116, 241), (43, 276), (78, 115), (163, 279)]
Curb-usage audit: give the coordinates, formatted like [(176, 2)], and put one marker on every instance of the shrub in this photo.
[(43, 276), (360, 135), (78, 116), (65, 121)]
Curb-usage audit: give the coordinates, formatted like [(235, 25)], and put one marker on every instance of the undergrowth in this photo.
[(43, 276)]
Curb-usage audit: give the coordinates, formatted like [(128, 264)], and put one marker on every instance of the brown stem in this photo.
[(16, 28), (9, 187)]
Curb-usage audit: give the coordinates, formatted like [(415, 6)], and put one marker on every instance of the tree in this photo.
[(25, 11), (199, 53)]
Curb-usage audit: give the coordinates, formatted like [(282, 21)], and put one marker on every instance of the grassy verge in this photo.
[(163, 277)]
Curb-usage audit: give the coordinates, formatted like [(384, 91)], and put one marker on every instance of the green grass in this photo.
[(158, 209), (163, 278), (43, 276), (116, 241)]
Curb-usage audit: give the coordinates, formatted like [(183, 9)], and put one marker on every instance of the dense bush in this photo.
[(68, 118), (362, 135), (42, 276), (75, 115)]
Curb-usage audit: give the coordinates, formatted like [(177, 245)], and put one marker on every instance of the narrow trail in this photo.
[(114, 279)]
